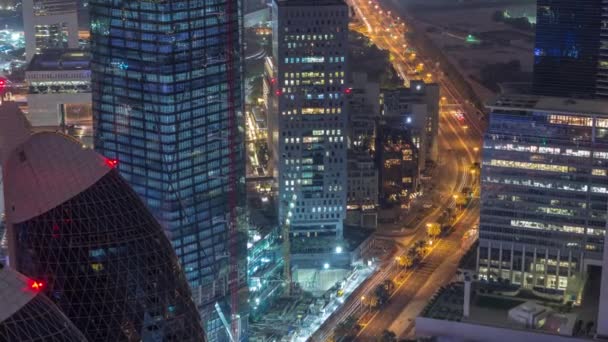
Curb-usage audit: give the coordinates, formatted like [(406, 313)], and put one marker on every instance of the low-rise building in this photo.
[(473, 311), (59, 93)]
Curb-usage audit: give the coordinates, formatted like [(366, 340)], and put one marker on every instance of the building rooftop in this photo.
[(15, 292), (550, 104), (60, 60), (489, 306), (37, 166)]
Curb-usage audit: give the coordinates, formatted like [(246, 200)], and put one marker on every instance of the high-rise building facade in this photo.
[(167, 104), (570, 45), (398, 162), (418, 106), (544, 191), (26, 314), (77, 227), (49, 24), (309, 124)]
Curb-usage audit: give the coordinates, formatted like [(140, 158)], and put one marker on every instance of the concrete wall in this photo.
[(460, 331), (44, 109)]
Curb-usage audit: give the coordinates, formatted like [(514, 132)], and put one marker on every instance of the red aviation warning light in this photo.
[(278, 92), (35, 285), (347, 91), (2, 83), (113, 163)]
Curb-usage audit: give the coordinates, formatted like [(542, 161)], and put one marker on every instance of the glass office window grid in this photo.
[(161, 105), (107, 264), (310, 50), (30, 315), (54, 7), (397, 158), (602, 73), (39, 320), (567, 53), (544, 195)]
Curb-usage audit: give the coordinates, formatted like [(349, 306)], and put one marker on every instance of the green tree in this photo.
[(382, 294), (345, 327), (433, 230), (420, 247)]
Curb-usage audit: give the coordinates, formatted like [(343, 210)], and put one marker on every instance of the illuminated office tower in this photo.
[(49, 24), (167, 104), (77, 227), (544, 192), (28, 315), (309, 124)]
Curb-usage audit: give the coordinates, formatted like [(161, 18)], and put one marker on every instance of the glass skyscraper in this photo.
[(544, 191), (568, 57), (167, 103), (90, 244)]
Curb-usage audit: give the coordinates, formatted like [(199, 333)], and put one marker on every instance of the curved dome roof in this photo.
[(47, 170), (28, 315), (15, 292)]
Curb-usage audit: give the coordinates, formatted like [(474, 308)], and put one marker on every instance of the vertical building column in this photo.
[(523, 266), (534, 268), (557, 269), (29, 28), (511, 264), (500, 260), (569, 263), (72, 27), (602, 317), (489, 258), (546, 266), (477, 259)]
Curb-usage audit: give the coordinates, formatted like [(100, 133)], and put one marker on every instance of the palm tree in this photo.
[(433, 230), (382, 294), (345, 327), (389, 285)]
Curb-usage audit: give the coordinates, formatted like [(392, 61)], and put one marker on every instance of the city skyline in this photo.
[(303, 170)]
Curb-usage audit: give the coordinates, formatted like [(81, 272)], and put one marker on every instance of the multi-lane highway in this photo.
[(460, 139), (460, 132)]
